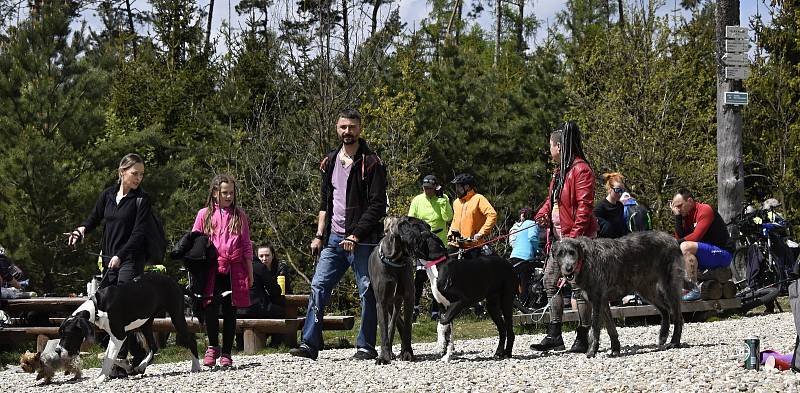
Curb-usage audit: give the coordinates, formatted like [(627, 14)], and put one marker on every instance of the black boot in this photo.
[(581, 344), (553, 340)]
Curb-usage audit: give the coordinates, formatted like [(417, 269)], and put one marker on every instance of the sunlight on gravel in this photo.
[(708, 362)]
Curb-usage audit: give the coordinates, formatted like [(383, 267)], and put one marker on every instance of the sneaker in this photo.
[(303, 351), (210, 359), (691, 296), (225, 360), (363, 354)]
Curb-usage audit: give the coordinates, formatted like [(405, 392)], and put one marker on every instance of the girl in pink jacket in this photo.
[(228, 282)]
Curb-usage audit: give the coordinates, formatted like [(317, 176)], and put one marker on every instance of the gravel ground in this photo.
[(708, 362)]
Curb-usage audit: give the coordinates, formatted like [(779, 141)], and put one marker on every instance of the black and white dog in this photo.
[(121, 309), (460, 283), (391, 272)]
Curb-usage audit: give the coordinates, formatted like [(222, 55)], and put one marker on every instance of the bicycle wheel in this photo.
[(519, 304), (757, 298)]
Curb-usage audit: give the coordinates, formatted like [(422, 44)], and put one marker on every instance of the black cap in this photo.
[(430, 181)]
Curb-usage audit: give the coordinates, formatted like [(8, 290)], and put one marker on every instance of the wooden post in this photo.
[(730, 169), (253, 341)]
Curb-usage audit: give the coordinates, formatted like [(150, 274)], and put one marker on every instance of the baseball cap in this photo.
[(430, 181)]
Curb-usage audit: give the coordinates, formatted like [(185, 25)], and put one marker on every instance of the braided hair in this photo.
[(568, 136)]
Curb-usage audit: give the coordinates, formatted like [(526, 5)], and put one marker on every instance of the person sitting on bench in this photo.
[(703, 238), (266, 297)]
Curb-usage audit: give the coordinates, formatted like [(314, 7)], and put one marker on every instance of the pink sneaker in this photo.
[(225, 361), (212, 353)]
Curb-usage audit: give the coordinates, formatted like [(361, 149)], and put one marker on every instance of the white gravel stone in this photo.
[(707, 363)]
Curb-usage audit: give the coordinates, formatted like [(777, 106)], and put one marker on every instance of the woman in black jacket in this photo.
[(610, 212), (124, 208)]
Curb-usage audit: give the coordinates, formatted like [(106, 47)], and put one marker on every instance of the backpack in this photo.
[(155, 241), (638, 218)]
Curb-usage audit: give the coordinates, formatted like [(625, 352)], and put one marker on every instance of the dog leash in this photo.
[(479, 245)]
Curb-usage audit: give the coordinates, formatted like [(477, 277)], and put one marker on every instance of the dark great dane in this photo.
[(391, 272)]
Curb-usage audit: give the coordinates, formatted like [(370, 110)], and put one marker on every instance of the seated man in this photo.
[(703, 238)]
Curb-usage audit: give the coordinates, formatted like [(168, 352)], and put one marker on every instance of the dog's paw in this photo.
[(407, 356), (380, 360), (613, 354), (196, 365), (590, 354), (102, 378)]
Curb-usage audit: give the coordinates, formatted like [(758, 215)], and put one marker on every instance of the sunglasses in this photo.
[(619, 190)]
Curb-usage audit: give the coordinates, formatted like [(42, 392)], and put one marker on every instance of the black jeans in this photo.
[(126, 272), (222, 284)]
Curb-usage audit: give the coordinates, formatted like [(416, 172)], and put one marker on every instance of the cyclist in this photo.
[(473, 216), (703, 237)]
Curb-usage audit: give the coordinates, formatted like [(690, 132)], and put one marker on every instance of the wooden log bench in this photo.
[(634, 311), (254, 330)]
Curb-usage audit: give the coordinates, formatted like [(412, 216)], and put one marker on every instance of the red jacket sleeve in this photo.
[(584, 197), (704, 218)]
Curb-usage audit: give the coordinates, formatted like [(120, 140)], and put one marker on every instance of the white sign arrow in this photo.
[(737, 73), (736, 32), (736, 46), (735, 59)]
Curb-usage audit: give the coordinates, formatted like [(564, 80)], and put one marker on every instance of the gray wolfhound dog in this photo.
[(649, 263)]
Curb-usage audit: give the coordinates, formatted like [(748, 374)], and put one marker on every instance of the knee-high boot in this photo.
[(581, 344)]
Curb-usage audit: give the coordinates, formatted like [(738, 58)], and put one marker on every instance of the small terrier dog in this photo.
[(48, 361)]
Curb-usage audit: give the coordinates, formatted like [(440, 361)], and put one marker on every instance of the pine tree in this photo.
[(49, 122)]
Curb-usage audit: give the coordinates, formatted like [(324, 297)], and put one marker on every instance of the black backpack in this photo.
[(638, 218), (155, 242)]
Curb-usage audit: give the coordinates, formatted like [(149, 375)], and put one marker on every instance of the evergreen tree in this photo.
[(50, 121)]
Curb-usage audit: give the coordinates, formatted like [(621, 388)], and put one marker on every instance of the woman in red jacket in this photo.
[(567, 212)]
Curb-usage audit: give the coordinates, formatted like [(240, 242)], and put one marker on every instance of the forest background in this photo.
[(444, 96)]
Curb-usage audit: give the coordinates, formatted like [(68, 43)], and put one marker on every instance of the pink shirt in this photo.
[(235, 253), (231, 247)]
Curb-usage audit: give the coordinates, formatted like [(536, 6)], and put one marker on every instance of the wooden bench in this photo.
[(634, 311), (254, 330)]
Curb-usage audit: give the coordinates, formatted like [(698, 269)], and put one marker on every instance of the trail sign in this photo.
[(737, 46), (735, 59), (736, 98), (736, 32), (737, 72)]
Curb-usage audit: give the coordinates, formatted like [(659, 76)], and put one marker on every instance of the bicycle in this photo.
[(533, 296), (760, 279)]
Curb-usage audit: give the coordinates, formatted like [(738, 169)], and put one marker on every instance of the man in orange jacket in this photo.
[(473, 216)]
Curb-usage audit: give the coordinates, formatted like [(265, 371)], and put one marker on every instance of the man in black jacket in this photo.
[(353, 203)]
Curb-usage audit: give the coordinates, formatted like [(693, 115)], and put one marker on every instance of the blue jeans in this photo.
[(333, 263)]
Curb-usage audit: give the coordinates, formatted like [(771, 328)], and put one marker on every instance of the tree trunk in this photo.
[(730, 171), (131, 27), (345, 38), (208, 26), (520, 28), (498, 9), (375, 8), (621, 12)]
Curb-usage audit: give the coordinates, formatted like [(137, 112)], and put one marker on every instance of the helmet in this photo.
[(464, 178)]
